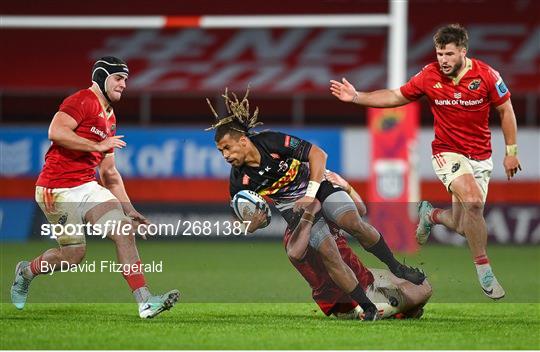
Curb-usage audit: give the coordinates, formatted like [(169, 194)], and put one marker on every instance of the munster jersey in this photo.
[(283, 173), (460, 106), (66, 168)]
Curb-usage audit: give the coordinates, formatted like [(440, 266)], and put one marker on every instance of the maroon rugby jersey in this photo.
[(460, 106), (66, 168)]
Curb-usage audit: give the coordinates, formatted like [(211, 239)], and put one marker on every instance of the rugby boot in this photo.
[(423, 230), (490, 285), (158, 304), (414, 275), (19, 289)]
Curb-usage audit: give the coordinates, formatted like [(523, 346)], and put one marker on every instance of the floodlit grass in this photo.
[(246, 295)]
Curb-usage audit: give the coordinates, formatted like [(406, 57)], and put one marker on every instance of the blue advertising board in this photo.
[(16, 217), (151, 152)]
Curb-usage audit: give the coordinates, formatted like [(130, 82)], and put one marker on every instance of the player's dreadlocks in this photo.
[(239, 119)]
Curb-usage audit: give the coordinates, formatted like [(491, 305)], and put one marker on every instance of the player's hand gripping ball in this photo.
[(245, 203)]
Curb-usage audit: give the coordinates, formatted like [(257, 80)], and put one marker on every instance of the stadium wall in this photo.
[(286, 60), (178, 174)]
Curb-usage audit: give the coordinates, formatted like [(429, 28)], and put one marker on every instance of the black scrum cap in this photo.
[(104, 68)]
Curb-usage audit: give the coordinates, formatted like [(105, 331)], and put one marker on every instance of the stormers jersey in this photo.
[(283, 173)]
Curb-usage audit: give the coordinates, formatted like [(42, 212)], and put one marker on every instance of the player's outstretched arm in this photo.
[(509, 126), (61, 132), (112, 180), (337, 180), (299, 241), (383, 98)]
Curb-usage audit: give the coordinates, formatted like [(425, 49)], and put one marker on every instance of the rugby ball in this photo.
[(245, 203)]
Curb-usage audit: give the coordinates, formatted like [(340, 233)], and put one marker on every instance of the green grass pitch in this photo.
[(246, 295)]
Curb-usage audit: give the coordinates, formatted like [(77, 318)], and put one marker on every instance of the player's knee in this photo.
[(366, 234), (125, 233), (111, 219), (73, 254), (117, 225), (474, 205), (352, 223)]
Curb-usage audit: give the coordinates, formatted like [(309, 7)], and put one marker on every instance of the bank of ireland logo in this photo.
[(457, 95), (475, 84)]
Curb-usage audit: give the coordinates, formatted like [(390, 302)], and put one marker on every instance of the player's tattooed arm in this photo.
[(62, 132), (299, 241), (509, 126), (383, 98)]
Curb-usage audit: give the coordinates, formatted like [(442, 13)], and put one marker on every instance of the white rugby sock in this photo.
[(482, 266), (142, 294)]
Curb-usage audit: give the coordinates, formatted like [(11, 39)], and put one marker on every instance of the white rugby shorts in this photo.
[(448, 166), (70, 205)]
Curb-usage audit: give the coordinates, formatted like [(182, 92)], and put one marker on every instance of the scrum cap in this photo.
[(104, 68)]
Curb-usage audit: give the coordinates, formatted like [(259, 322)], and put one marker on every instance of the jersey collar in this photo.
[(467, 68), (108, 111)]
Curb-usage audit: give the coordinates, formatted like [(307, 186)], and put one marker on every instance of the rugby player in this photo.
[(83, 138), (392, 296), (290, 172), (460, 91)]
